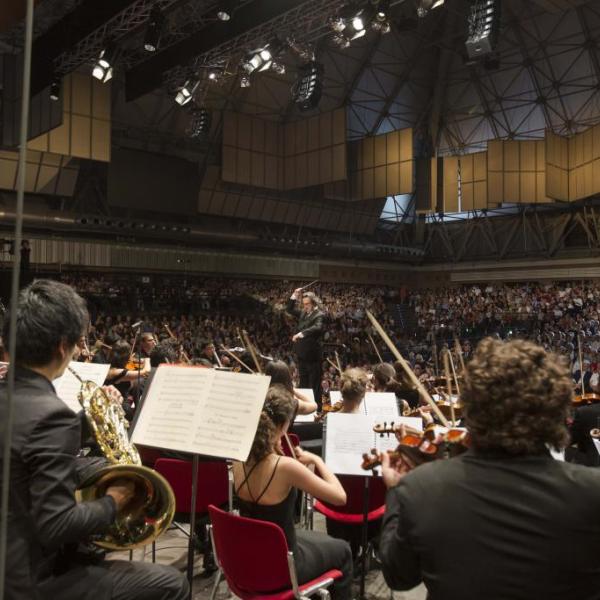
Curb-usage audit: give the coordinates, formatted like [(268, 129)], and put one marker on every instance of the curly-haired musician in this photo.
[(46, 556), (504, 520)]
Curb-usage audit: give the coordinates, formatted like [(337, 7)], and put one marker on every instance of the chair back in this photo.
[(355, 493), (251, 553), (213, 487)]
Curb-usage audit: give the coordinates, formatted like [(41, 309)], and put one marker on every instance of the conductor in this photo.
[(307, 342)]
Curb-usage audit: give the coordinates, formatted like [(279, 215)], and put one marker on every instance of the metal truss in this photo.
[(536, 231), (124, 23)]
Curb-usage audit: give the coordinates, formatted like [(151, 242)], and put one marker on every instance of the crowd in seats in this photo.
[(214, 309)]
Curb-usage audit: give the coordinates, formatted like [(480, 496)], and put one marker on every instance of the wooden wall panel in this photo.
[(557, 166), (450, 195), (473, 181)]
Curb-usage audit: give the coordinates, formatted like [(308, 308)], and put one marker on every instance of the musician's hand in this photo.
[(425, 412), (296, 293), (297, 336), (113, 393), (393, 472), (122, 491), (304, 457)]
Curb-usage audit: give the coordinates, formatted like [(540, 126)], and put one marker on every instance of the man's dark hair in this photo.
[(121, 351), (165, 352), (48, 313), (516, 397)]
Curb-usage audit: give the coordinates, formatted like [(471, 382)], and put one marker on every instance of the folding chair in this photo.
[(254, 558)]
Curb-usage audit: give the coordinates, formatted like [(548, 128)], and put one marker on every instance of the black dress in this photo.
[(314, 552)]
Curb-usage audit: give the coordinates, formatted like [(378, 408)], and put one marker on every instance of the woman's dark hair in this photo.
[(280, 374), (516, 397), (384, 378), (279, 409), (353, 385), (48, 313), (121, 351)]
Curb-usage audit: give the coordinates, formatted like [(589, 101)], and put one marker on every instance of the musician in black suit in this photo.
[(46, 556), (307, 340), (505, 520), (585, 418)]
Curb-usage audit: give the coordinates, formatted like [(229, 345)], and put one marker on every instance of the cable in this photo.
[(14, 294)]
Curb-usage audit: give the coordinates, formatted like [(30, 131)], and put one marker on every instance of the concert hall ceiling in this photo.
[(544, 73)]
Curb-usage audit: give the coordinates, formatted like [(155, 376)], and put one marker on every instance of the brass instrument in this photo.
[(152, 509)]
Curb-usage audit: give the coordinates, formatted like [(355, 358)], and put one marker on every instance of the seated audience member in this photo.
[(527, 525)]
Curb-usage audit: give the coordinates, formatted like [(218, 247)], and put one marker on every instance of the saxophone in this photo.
[(152, 508)]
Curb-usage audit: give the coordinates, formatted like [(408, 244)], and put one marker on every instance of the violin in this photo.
[(585, 399), (133, 364), (335, 407), (418, 447)]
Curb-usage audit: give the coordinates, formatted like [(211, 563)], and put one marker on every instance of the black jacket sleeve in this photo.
[(315, 329), (400, 563), (50, 457), (292, 308)]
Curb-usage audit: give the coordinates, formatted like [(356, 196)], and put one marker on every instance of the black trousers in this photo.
[(317, 553), (117, 580), (310, 377)]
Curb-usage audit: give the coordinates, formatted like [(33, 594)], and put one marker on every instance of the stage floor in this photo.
[(171, 549)]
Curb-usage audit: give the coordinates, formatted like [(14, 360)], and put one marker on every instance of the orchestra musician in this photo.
[(148, 342), (307, 340), (47, 529), (266, 487), (280, 374), (353, 387), (515, 522)]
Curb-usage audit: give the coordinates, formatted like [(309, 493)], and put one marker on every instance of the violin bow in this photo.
[(337, 360), (333, 365), (459, 352), (447, 359), (174, 337), (384, 336), (252, 351), (238, 360), (436, 364), (217, 356), (580, 363), (375, 348)]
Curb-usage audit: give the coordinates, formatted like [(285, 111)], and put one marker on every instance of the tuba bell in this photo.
[(152, 508)]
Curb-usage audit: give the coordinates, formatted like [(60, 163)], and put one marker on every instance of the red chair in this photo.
[(352, 514), (148, 455), (254, 558)]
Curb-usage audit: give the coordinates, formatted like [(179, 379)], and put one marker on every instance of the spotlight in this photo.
[(55, 89), (278, 68), (424, 6), (245, 81), (341, 41), (184, 95), (382, 10), (357, 23), (214, 74), (307, 90), (382, 27), (225, 10), (154, 30), (338, 24), (200, 123), (103, 68)]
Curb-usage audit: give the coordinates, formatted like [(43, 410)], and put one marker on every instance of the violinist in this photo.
[(266, 486), (102, 351), (526, 525), (280, 374), (148, 342), (353, 386), (207, 353)]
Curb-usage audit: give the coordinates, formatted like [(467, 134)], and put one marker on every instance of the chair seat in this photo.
[(355, 518), (288, 594)]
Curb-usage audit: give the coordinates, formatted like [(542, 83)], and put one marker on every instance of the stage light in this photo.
[(341, 41), (425, 6), (55, 89), (154, 30), (358, 24), (225, 10), (103, 67), (278, 68), (245, 82), (338, 24), (308, 88), (215, 73), (382, 27), (184, 95), (200, 123), (382, 10)]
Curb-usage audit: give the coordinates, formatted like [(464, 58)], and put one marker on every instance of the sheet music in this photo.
[(349, 436), (67, 386), (308, 392), (202, 411), (335, 396), (381, 404)]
